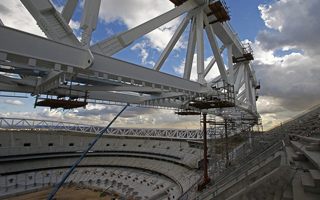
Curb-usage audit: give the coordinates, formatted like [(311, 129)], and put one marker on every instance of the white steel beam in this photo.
[(97, 95), (20, 53), (68, 10), (209, 66), (113, 45), (50, 21), (248, 86), (225, 33), (32, 46), (212, 61), (114, 80), (7, 80), (216, 52), (253, 96), (122, 88), (236, 68), (116, 97), (26, 80), (239, 78), (241, 95), (172, 42), (9, 87), (200, 47), (110, 65), (230, 64), (89, 20), (49, 82), (227, 36), (190, 49)]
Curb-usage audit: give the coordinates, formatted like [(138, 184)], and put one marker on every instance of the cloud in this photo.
[(213, 73), (131, 13), (269, 105), (143, 52), (74, 25), (135, 12), (293, 23), (15, 15), (101, 115), (286, 59), (13, 102)]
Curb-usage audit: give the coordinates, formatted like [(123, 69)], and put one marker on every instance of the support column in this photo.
[(230, 64), (177, 34), (226, 142), (206, 179), (6, 183), (216, 51), (200, 48), (190, 49), (89, 20), (250, 138), (68, 10), (205, 149)]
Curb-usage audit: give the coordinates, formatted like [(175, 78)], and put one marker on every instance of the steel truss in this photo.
[(64, 67), (47, 125)]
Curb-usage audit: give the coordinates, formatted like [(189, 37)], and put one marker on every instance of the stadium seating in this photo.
[(152, 168)]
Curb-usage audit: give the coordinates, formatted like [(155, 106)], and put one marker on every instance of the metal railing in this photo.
[(243, 169), (191, 192), (48, 125)]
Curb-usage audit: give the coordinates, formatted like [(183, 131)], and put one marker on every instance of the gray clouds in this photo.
[(295, 23), (287, 56)]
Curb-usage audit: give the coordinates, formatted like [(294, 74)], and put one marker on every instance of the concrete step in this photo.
[(291, 153), (299, 157), (298, 190), (287, 194), (313, 156), (308, 183), (313, 147), (315, 174)]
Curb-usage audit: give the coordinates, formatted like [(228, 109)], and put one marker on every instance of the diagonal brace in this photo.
[(64, 178)]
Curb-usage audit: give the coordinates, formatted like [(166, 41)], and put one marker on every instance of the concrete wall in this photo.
[(35, 142)]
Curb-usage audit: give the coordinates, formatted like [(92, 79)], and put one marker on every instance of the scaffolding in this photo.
[(247, 54), (223, 97), (220, 10)]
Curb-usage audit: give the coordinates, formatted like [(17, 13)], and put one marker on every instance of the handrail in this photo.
[(35, 124), (235, 174), (260, 157), (296, 117), (307, 139), (187, 193)]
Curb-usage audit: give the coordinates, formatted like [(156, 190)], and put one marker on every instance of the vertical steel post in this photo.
[(34, 179), (205, 149), (226, 141), (6, 183), (25, 181)]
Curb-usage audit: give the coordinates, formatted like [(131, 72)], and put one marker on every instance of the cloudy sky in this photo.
[(283, 34)]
